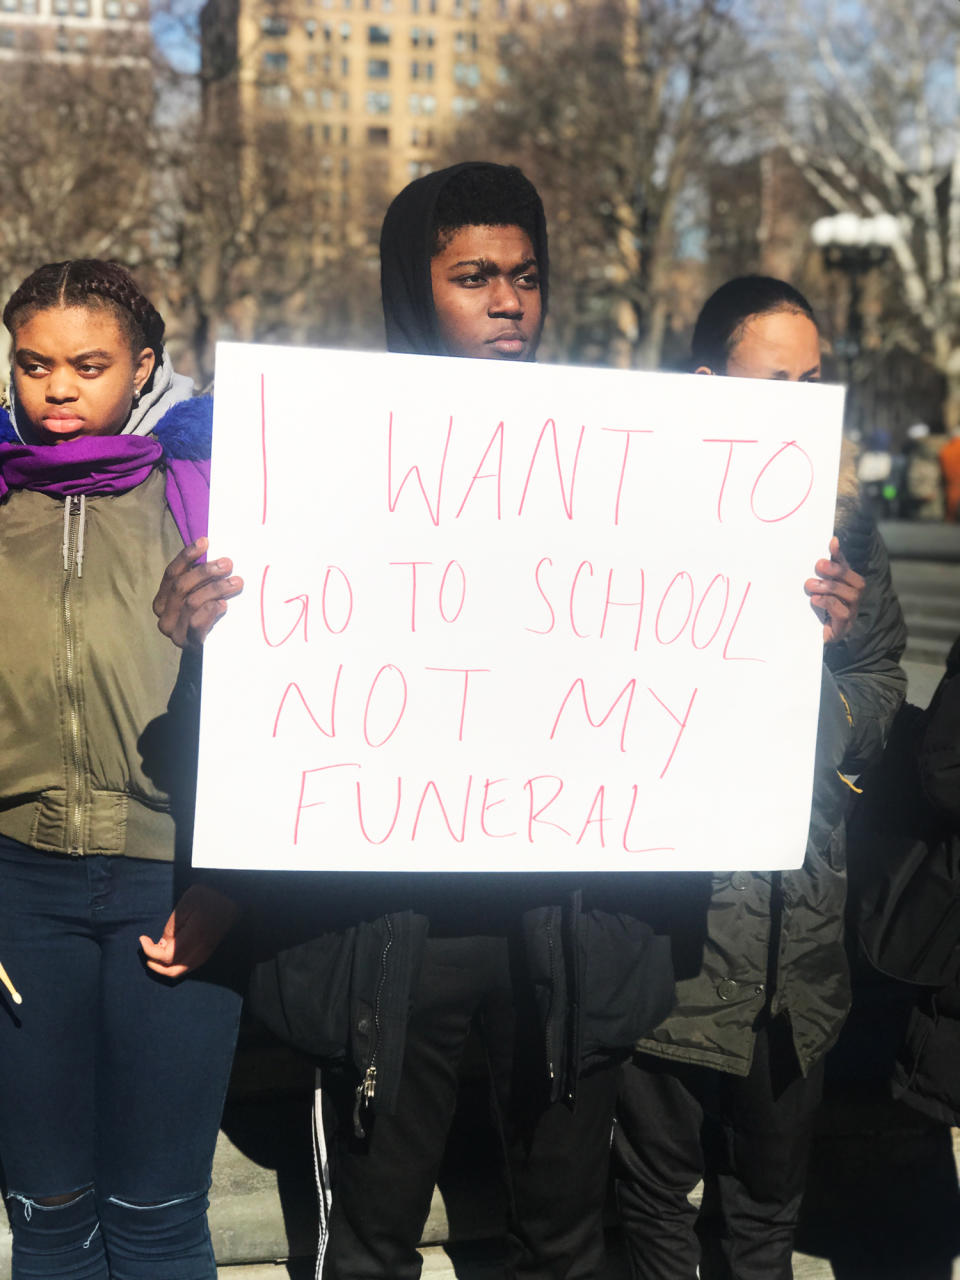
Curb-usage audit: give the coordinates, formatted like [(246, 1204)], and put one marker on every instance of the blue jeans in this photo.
[(112, 1079)]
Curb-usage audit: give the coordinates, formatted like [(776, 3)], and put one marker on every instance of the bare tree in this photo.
[(872, 122), (613, 108), (76, 158)]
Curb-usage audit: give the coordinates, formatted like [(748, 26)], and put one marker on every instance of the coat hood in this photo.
[(406, 243)]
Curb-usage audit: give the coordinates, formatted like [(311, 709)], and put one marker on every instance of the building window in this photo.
[(309, 97), (326, 99), (466, 73), (378, 68), (7, 37), (273, 25), (377, 34), (378, 136), (344, 66), (275, 60), (310, 27), (325, 133), (9, 6), (111, 8), (29, 6), (275, 95), (81, 9), (345, 30), (378, 102), (80, 42)]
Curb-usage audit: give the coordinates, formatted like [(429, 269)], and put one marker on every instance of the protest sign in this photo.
[(511, 617)]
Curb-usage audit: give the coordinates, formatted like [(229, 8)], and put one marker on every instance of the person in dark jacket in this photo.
[(560, 975), (905, 880), (740, 1058)]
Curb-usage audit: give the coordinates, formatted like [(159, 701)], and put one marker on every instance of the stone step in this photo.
[(932, 624), (928, 650)]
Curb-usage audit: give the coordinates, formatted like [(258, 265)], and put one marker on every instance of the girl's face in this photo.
[(783, 345), (75, 374)]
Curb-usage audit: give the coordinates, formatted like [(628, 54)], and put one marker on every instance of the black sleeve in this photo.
[(940, 747), (866, 665)]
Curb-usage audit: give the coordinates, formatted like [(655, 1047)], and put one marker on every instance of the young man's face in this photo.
[(486, 292)]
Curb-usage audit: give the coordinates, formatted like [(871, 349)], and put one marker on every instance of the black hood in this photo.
[(406, 241)]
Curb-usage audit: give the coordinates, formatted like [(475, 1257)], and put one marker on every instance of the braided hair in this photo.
[(90, 282)]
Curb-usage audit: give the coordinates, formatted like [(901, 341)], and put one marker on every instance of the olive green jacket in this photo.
[(85, 676), (774, 943)]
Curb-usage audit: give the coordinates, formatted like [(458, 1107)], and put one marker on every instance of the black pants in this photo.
[(557, 1157), (748, 1137)]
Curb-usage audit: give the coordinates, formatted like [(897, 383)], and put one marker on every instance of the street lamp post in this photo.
[(854, 245)]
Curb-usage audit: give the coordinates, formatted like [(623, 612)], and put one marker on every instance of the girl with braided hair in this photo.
[(114, 1067)]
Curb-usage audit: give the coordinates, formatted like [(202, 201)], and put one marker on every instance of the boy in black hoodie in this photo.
[(557, 978)]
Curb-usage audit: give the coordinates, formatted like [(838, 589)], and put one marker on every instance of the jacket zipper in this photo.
[(367, 1088), (75, 804), (548, 1025)]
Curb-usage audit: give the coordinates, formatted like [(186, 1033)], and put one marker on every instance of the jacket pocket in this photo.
[(627, 981), (302, 994)]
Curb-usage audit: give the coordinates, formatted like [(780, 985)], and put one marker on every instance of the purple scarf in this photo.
[(106, 465), (91, 465)]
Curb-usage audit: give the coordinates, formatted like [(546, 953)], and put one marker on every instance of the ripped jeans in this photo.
[(112, 1079)]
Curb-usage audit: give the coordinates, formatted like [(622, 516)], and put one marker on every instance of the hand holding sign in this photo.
[(835, 595), (192, 596)]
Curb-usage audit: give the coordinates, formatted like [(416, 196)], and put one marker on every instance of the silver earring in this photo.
[(136, 398)]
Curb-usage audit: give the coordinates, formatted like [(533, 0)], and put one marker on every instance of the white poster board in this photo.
[(509, 617)]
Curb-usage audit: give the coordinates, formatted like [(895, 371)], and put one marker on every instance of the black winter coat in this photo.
[(596, 973), (906, 847)]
